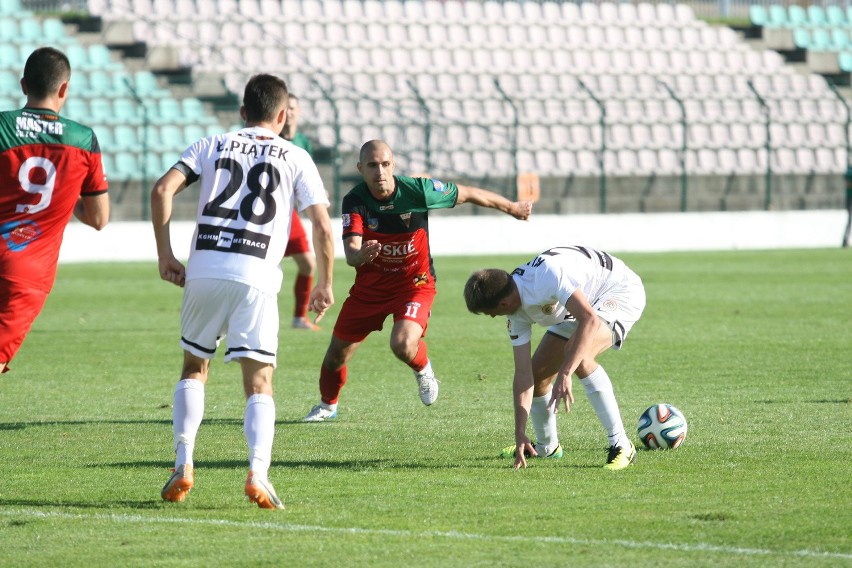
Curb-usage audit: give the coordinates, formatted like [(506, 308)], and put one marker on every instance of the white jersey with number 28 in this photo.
[(250, 181)]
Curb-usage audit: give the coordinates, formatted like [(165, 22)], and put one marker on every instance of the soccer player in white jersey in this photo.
[(588, 300), (250, 181)]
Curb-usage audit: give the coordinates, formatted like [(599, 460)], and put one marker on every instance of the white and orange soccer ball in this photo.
[(662, 426)]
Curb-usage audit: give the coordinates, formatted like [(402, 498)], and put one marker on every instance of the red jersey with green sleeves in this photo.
[(46, 163), (401, 225)]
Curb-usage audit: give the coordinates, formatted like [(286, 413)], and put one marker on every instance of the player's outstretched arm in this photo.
[(322, 296), (162, 196), (485, 198)]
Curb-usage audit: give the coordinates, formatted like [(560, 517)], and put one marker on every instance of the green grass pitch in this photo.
[(754, 347)]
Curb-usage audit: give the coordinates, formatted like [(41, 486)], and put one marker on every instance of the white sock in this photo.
[(259, 428), (544, 424), (187, 412), (600, 394)]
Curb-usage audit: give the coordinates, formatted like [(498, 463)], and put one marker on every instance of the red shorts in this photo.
[(298, 243), (359, 318), (19, 307)]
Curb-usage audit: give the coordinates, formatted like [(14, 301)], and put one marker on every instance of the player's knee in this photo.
[(404, 350)]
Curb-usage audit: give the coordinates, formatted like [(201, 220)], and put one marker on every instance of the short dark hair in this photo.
[(45, 70), (263, 97), (486, 288)]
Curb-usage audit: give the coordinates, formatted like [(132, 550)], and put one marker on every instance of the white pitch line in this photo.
[(452, 535)]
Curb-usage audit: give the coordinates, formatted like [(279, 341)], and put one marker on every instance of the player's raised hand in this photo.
[(172, 270)]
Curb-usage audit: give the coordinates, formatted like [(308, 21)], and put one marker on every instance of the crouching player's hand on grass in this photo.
[(523, 448)]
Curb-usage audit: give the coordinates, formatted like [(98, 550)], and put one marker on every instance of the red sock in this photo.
[(421, 359), (331, 383), (302, 292)]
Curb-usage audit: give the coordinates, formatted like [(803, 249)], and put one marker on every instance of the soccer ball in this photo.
[(662, 426)]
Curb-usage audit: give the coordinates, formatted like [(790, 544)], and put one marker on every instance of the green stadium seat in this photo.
[(172, 138), (797, 16), (168, 110), (9, 83), (817, 16), (844, 61), (100, 110), (126, 137), (778, 16), (802, 38), (820, 40), (76, 108), (53, 31), (97, 82), (839, 39), (10, 7), (758, 15), (9, 59), (146, 84), (105, 137), (193, 108), (127, 166), (126, 111), (835, 15), (8, 29), (100, 57), (30, 30)]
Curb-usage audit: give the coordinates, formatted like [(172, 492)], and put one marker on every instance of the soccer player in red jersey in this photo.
[(50, 168), (298, 247), (386, 239)]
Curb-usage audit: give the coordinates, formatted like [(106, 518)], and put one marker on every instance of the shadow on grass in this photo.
[(159, 422), (42, 504), (358, 465)]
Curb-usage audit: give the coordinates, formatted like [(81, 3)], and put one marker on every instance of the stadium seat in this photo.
[(125, 137), (668, 162), (815, 16), (797, 16), (726, 158), (758, 15), (835, 16), (777, 16), (10, 7)]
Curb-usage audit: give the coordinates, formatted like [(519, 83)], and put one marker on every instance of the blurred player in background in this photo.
[(234, 275), (298, 247), (386, 239), (50, 169), (588, 300)]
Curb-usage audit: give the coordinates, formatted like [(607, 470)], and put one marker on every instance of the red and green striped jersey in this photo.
[(46, 163), (401, 225)]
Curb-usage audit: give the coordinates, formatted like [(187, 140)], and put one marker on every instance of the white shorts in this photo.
[(620, 306), (246, 317)]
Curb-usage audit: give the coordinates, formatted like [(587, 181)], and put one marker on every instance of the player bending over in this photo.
[(588, 300)]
